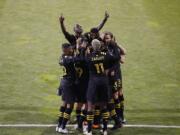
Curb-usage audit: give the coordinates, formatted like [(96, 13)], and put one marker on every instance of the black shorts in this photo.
[(111, 86), (81, 90), (68, 90), (98, 90), (59, 90), (117, 79)]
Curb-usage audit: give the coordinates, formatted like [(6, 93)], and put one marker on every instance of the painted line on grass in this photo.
[(72, 125)]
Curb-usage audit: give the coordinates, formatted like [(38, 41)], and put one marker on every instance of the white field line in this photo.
[(72, 125)]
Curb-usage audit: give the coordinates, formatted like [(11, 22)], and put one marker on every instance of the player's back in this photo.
[(68, 67), (97, 63)]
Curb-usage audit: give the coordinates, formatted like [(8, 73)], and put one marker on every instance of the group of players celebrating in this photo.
[(92, 79)]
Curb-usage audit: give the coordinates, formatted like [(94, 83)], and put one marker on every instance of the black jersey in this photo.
[(113, 49), (89, 38), (82, 71), (68, 67), (98, 62), (71, 39)]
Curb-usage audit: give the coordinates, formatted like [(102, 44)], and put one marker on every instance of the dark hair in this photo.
[(65, 45), (109, 33), (78, 28), (94, 30)]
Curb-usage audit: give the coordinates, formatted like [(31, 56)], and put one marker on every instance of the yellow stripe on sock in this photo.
[(113, 112)]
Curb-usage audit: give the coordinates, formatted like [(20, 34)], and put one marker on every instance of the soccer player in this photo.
[(112, 48), (94, 32), (82, 79), (109, 40), (67, 85), (78, 30), (70, 37), (98, 91)]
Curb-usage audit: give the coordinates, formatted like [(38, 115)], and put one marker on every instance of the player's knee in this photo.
[(116, 95)]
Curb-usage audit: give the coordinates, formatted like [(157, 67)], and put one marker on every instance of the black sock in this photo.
[(78, 114), (97, 116), (61, 113), (117, 107), (113, 114), (105, 117), (121, 99), (82, 118), (66, 117), (90, 117)]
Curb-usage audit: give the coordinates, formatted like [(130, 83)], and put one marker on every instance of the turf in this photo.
[(30, 48), (125, 131)]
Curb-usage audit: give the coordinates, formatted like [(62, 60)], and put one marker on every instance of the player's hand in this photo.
[(78, 43), (106, 15), (122, 60), (102, 35), (88, 50), (84, 44), (61, 18), (112, 73)]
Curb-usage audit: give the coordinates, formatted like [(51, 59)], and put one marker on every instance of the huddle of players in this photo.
[(92, 79)]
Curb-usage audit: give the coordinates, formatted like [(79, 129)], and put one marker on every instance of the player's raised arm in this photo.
[(61, 20), (63, 28), (106, 16), (70, 37)]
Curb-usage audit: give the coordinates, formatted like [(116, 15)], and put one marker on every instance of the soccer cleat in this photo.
[(96, 126), (76, 126), (85, 129), (105, 132), (116, 126), (64, 131), (124, 121), (57, 128), (88, 133)]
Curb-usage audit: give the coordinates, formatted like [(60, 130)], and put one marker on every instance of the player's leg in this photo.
[(81, 110), (116, 99), (111, 103), (97, 117), (90, 117), (121, 96), (69, 98), (63, 105), (103, 98), (91, 99), (105, 117), (61, 114), (83, 115), (113, 115), (66, 117), (78, 111), (121, 99)]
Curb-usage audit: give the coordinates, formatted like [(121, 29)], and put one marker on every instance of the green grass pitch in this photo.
[(30, 39)]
